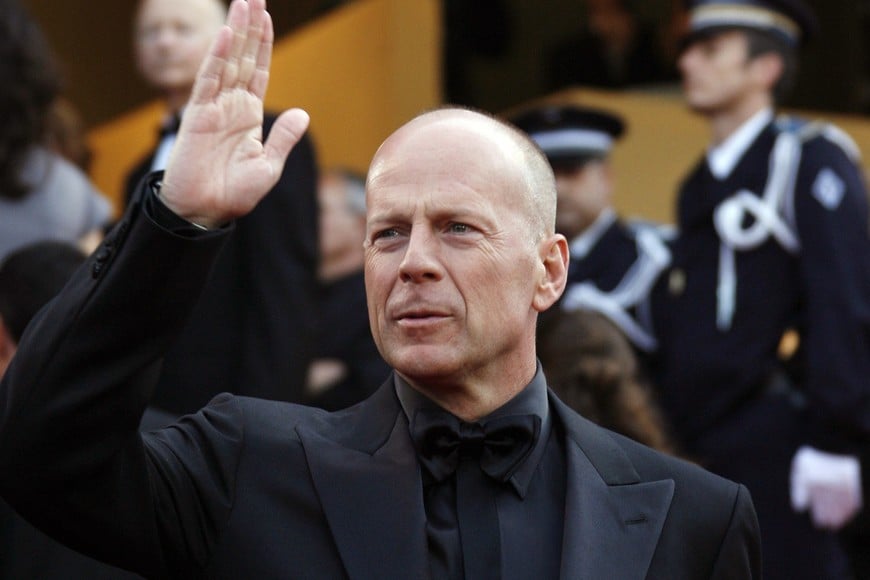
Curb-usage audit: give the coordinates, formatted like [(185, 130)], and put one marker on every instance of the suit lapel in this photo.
[(369, 485), (372, 500), (613, 520)]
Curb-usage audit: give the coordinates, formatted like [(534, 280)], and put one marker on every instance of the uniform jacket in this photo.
[(607, 261), (821, 288), (614, 267)]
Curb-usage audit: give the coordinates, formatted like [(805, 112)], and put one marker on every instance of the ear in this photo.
[(554, 259)]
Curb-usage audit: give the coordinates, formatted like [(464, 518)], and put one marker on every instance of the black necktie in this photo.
[(483, 456)]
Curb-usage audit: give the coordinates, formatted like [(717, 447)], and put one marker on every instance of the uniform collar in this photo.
[(583, 243), (723, 158)]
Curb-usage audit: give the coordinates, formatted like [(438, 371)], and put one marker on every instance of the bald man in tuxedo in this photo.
[(462, 465)]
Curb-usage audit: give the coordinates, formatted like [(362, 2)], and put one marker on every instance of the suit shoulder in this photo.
[(653, 465), (704, 505), (365, 426), (612, 452), (279, 417), (256, 419)]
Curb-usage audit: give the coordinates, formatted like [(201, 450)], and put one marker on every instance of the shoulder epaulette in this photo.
[(790, 124), (808, 130)]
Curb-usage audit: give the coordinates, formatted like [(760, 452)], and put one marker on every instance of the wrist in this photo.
[(199, 223)]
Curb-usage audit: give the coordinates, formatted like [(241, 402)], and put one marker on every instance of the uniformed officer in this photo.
[(614, 263), (773, 234)]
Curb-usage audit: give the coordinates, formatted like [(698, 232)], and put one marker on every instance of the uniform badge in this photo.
[(829, 189), (676, 282)]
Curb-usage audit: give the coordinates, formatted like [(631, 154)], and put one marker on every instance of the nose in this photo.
[(157, 36), (166, 37), (422, 260)]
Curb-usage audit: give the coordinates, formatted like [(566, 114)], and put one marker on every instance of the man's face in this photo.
[(451, 264), (583, 193), (717, 73), (172, 38)]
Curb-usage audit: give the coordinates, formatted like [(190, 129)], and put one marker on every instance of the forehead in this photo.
[(202, 12), (449, 149)]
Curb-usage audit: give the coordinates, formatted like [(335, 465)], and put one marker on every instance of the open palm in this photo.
[(220, 168)]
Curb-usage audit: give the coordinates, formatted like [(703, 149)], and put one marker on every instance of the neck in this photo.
[(473, 401), (726, 122), (176, 100)]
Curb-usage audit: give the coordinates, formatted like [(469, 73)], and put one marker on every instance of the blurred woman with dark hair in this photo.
[(42, 195), (593, 368)]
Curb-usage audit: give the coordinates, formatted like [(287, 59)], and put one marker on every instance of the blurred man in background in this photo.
[(614, 263), (250, 333), (773, 235)]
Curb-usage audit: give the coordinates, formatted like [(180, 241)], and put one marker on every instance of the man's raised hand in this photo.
[(220, 168)]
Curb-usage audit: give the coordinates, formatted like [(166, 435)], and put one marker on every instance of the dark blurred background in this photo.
[(497, 53)]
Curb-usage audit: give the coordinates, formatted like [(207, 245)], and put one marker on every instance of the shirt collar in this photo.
[(583, 244), (531, 400), (723, 158)]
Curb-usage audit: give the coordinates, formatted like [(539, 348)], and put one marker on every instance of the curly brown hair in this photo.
[(593, 368), (30, 82)]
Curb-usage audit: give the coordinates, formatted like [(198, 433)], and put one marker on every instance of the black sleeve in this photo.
[(72, 460)]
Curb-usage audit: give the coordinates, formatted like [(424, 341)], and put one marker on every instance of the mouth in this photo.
[(419, 317), (690, 83)]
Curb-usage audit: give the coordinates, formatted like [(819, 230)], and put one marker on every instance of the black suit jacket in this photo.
[(251, 330), (249, 488)]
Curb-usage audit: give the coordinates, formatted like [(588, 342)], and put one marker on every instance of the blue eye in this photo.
[(387, 233), (459, 228)]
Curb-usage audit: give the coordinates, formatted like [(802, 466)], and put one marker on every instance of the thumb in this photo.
[(285, 134)]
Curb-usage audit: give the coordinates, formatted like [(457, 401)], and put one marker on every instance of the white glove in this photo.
[(828, 485)]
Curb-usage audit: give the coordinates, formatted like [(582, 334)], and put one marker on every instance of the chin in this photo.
[(418, 365), (698, 104), (172, 81)]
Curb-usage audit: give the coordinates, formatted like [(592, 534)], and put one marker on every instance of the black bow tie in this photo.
[(501, 444)]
